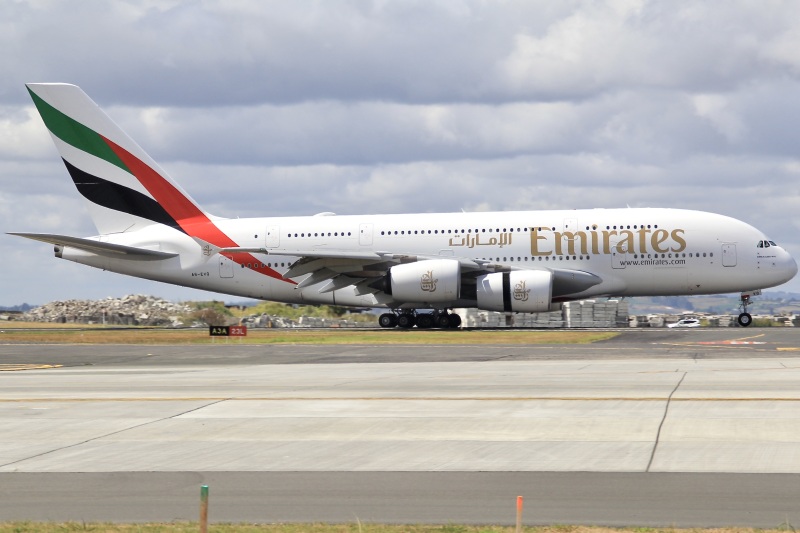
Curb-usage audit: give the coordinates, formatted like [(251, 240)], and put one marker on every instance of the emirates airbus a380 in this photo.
[(418, 266)]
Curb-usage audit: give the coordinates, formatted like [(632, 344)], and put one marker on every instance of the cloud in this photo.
[(293, 108)]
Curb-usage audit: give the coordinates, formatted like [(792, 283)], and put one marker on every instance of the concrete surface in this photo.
[(697, 406)]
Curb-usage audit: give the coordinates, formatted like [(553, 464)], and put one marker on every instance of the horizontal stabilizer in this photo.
[(106, 249)]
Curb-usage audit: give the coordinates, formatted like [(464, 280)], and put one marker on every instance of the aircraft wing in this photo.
[(361, 270), (343, 269), (97, 247), (364, 270)]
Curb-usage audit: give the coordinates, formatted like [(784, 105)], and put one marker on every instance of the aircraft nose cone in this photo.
[(787, 266), (791, 267)]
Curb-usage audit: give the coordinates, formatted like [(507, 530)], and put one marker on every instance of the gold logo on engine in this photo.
[(520, 292), (427, 283)]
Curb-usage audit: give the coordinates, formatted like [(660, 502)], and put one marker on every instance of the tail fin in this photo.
[(125, 188)]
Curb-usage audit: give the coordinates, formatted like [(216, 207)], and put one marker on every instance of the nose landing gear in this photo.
[(745, 319)]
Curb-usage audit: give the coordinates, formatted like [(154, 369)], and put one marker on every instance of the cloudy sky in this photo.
[(294, 107)]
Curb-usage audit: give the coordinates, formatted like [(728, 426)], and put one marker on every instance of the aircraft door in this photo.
[(272, 239), (225, 267), (365, 234), (729, 255), (618, 259), (570, 224)]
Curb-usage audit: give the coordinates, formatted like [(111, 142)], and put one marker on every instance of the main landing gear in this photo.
[(745, 319), (408, 319)]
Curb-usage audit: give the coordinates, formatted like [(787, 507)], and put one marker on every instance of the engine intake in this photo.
[(523, 291)]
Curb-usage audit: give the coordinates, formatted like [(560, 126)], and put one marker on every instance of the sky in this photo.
[(269, 108)]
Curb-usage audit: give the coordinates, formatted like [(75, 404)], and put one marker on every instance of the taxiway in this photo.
[(692, 428)]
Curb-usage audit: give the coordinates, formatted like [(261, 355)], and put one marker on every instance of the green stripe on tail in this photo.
[(74, 133)]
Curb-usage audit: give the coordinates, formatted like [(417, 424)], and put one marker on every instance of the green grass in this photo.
[(358, 527), (100, 335), (296, 311), (186, 527)]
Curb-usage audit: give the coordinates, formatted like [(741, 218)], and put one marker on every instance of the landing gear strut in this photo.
[(745, 319)]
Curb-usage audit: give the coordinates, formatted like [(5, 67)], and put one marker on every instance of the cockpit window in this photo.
[(772, 243), (760, 244)]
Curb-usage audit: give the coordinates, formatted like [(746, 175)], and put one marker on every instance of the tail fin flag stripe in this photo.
[(74, 133), (87, 140), (168, 206), (189, 217), (119, 198)]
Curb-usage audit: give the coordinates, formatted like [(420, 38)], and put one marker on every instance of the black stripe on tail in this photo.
[(119, 198)]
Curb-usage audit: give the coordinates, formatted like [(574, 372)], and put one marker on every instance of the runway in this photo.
[(653, 428)]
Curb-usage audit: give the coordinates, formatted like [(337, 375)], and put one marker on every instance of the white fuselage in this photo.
[(636, 252)]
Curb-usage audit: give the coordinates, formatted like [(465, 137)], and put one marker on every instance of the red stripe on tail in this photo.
[(188, 216)]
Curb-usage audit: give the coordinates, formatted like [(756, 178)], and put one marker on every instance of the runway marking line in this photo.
[(427, 399), (741, 341), (11, 367)]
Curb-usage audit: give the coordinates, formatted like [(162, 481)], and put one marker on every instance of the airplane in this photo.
[(417, 266)]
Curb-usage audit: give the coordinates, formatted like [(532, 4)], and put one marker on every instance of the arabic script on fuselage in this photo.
[(545, 241)]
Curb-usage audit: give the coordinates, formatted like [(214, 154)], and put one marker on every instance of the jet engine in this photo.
[(432, 281), (523, 291)]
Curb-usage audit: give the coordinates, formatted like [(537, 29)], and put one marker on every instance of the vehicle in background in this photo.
[(685, 323)]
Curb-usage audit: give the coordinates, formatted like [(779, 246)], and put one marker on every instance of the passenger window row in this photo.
[(320, 234), (470, 231), (264, 265), (452, 231)]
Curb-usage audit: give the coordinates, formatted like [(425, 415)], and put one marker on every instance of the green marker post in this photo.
[(203, 508)]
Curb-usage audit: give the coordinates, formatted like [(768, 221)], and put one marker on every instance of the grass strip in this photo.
[(358, 527), (100, 335)]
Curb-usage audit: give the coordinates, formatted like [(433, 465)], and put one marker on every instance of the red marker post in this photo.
[(519, 514)]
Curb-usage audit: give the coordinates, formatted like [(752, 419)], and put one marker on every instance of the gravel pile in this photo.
[(131, 310)]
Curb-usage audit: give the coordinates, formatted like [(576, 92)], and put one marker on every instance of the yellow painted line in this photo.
[(793, 349), (751, 337), (8, 367)]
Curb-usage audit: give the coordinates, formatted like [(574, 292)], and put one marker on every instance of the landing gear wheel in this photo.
[(387, 320), (745, 319), (406, 321), (443, 321), (425, 321), (453, 321)]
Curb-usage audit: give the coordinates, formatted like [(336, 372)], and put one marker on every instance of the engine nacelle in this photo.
[(523, 291), (433, 281)]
